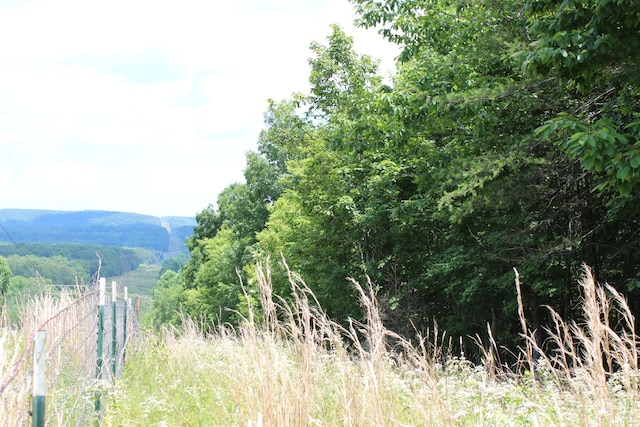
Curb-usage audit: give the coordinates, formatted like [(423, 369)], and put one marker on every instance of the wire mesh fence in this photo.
[(74, 386)]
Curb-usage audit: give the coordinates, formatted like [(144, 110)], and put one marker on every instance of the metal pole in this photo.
[(124, 329), (102, 298), (114, 329), (39, 383)]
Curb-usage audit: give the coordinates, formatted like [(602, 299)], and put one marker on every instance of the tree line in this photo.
[(83, 260), (506, 137)]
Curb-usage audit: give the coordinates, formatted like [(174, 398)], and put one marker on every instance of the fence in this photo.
[(84, 348)]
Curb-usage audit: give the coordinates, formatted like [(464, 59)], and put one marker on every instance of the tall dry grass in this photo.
[(16, 348), (69, 322), (592, 362), (13, 395), (293, 366)]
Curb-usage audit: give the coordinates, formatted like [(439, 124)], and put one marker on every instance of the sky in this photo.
[(148, 106)]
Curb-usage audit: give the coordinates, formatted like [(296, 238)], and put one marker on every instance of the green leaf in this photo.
[(576, 135), (623, 173), (625, 188), (633, 124), (548, 128), (622, 138), (588, 162)]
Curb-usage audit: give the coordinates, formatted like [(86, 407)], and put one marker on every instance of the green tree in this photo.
[(5, 279), (593, 48), (58, 269), (285, 133), (167, 300), (174, 263), (222, 244), (434, 186)]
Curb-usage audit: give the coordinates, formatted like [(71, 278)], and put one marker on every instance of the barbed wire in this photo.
[(70, 321)]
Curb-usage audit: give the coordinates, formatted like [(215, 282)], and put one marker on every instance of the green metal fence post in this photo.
[(114, 329), (39, 383), (102, 297), (124, 328)]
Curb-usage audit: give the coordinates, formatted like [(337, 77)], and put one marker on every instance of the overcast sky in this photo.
[(147, 106)]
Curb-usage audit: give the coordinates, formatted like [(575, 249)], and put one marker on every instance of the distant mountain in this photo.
[(105, 228)]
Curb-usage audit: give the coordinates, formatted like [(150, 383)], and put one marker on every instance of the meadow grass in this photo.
[(140, 283), (288, 364)]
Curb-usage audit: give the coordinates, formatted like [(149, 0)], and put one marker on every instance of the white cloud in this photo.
[(6, 179), (71, 179), (151, 97)]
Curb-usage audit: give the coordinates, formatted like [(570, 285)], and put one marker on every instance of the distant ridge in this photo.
[(105, 228)]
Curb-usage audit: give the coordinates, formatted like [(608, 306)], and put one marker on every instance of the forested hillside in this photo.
[(507, 137), (94, 228), (40, 249)]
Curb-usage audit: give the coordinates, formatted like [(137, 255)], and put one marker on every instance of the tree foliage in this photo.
[(167, 298), (59, 270), (116, 261), (593, 48), (5, 279), (480, 155)]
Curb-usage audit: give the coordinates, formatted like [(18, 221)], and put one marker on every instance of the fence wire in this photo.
[(70, 320)]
